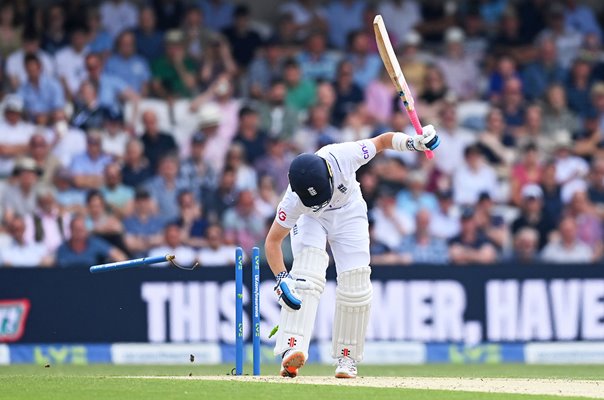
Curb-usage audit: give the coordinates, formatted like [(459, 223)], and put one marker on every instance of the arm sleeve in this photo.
[(350, 156), (288, 210)]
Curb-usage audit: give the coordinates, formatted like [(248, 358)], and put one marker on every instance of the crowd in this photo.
[(134, 128)]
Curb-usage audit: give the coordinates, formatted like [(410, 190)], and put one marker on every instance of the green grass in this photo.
[(104, 382)]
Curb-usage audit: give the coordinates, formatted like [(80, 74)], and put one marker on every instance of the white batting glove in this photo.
[(428, 140), (286, 290)]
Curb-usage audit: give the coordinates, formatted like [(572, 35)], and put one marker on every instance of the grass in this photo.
[(69, 382)]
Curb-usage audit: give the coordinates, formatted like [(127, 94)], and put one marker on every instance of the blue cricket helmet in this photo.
[(311, 179)]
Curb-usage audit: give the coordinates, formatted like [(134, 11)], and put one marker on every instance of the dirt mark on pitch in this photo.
[(555, 387)]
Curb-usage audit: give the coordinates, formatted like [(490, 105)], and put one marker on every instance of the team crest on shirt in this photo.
[(312, 191), (342, 188)]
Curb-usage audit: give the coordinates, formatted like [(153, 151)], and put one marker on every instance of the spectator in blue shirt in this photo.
[(422, 247), (581, 18), (100, 40), (149, 40), (111, 89), (88, 168), (143, 229), (545, 71), (129, 66), (217, 13), (315, 61), (165, 186), (343, 17), (365, 64), (41, 93), (83, 250)]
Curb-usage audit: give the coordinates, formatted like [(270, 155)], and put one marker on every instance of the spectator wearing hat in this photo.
[(157, 144), (390, 224), (119, 197), (21, 253), (114, 136), (48, 225), (543, 72), (460, 71), (143, 229), (165, 186), (172, 243), (70, 60), (149, 40), (340, 28), (128, 66), (266, 68), (400, 16), (87, 168), (39, 151), (217, 252), (444, 222), (82, 250), (118, 16), (195, 169), (243, 39), (301, 92), (566, 247), (136, 169), (473, 177), (422, 247), (174, 74), (471, 246), (19, 197), (111, 90), (525, 248), (15, 134), (15, 63), (456, 137), (41, 93), (277, 118), (533, 215)]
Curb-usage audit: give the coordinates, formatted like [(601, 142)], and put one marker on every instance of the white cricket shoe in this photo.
[(291, 362), (346, 368)]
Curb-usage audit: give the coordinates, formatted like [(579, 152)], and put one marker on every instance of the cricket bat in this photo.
[(396, 74)]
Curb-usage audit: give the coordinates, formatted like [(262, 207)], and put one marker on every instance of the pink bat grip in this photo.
[(418, 129)]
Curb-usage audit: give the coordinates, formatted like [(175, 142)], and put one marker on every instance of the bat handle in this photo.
[(418, 129)]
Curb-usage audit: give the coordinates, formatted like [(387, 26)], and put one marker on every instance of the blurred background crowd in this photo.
[(133, 128)]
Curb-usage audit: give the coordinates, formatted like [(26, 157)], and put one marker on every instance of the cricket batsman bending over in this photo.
[(324, 203)]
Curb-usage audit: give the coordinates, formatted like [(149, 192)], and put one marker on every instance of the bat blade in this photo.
[(396, 74)]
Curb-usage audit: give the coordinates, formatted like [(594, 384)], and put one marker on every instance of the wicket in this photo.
[(239, 310)]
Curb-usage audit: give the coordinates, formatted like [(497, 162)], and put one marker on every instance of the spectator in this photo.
[(317, 132), (82, 250), (128, 66), (567, 248), (348, 94), (490, 223), (15, 63), (557, 118), (379, 99), (471, 246), (87, 168), (89, 113), (265, 69), (568, 41), (400, 16), (506, 68), (595, 191), (544, 72), (69, 61), (434, 94), (476, 43), (597, 99), (10, 30), (114, 136), (19, 197), (532, 15), (149, 40), (459, 70), (223, 197), (48, 225), (119, 197), (533, 214), (118, 16), (99, 39), (316, 62), (165, 186), (169, 13), (267, 198), (243, 40), (42, 94), (136, 169), (526, 246), (307, 16), (444, 222), (456, 137), (101, 222), (277, 118), (390, 224), (216, 253), (552, 197), (510, 40), (415, 197), (495, 143), (589, 224), (174, 74), (473, 177), (527, 171), (422, 247), (243, 224), (301, 92), (414, 61), (569, 167), (184, 254), (19, 252), (340, 28), (158, 144), (581, 18), (15, 134), (218, 13), (246, 177), (198, 38), (111, 90), (142, 229), (55, 36), (217, 61), (191, 219), (69, 198), (366, 66), (275, 164), (512, 104), (249, 136), (47, 163), (195, 169)]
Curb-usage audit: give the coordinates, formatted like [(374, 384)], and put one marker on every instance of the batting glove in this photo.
[(428, 140), (286, 290)]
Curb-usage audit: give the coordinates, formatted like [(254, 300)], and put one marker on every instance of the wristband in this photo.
[(281, 275), (400, 142)]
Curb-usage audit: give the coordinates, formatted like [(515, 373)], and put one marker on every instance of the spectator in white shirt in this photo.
[(14, 134), (216, 253), (69, 61), (456, 137), (15, 63), (473, 177), (118, 16), (444, 223), (460, 70), (390, 224), (400, 16), (184, 255), (566, 247), (20, 253)]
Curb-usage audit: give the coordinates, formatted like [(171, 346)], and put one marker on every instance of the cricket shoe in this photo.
[(291, 362), (346, 368)]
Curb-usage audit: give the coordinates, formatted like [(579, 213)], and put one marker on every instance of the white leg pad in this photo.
[(295, 327), (353, 305)]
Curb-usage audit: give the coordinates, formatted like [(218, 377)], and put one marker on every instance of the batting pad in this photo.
[(353, 304), (295, 327)]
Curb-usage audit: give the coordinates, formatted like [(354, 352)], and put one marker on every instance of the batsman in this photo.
[(323, 203)]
